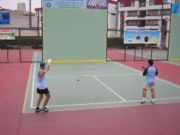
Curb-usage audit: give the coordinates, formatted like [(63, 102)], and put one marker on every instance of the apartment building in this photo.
[(140, 14), (20, 21), (38, 12)]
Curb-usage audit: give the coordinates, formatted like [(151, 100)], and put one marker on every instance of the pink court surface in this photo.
[(158, 119)]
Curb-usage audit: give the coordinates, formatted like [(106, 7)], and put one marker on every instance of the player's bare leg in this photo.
[(45, 103), (152, 95), (144, 96), (39, 102)]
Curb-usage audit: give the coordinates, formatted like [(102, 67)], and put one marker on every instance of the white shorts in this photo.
[(149, 85)]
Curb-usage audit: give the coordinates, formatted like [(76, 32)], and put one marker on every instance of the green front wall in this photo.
[(75, 34), (174, 52)]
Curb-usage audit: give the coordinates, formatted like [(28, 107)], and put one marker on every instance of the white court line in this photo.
[(66, 76), (162, 80), (105, 103), (86, 104), (33, 83), (177, 64), (157, 99), (115, 93), (109, 103), (90, 75), (173, 98)]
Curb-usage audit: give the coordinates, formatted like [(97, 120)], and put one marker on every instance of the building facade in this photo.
[(140, 14), (21, 21)]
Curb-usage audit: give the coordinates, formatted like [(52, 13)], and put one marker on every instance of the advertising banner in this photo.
[(97, 4), (142, 36), (4, 18), (65, 3), (176, 8), (7, 34)]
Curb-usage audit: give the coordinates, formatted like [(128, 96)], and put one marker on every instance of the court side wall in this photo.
[(174, 48), (75, 35)]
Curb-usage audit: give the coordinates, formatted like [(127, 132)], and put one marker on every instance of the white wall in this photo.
[(112, 20)]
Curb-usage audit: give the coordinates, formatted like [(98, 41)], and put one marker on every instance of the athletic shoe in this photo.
[(152, 101), (44, 109), (37, 110), (142, 101)]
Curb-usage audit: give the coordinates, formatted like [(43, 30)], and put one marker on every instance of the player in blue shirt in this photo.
[(42, 88), (150, 72)]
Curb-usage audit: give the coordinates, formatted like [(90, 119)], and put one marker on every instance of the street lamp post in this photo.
[(30, 16)]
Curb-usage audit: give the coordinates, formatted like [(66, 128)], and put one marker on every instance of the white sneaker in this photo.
[(152, 101), (45, 109), (143, 101)]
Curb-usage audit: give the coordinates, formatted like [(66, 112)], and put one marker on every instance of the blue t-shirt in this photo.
[(150, 74)]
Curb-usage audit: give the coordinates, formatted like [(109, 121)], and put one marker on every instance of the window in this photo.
[(142, 13), (164, 22), (122, 13), (166, 12), (152, 23), (151, 2), (132, 13), (142, 3), (132, 23), (141, 23), (153, 13), (165, 1), (113, 13), (177, 1), (133, 4)]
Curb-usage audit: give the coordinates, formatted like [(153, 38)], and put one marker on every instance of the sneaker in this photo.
[(37, 110), (44, 109), (142, 101), (152, 101)]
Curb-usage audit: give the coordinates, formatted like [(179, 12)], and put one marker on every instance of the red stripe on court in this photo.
[(13, 83), (142, 120), (167, 71)]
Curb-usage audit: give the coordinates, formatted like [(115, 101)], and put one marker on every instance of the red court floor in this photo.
[(140, 120)]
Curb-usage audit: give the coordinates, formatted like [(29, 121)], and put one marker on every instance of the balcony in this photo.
[(132, 14), (141, 23), (153, 14), (166, 12), (131, 23), (142, 14), (152, 24)]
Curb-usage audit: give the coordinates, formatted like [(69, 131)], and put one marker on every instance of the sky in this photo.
[(12, 4)]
